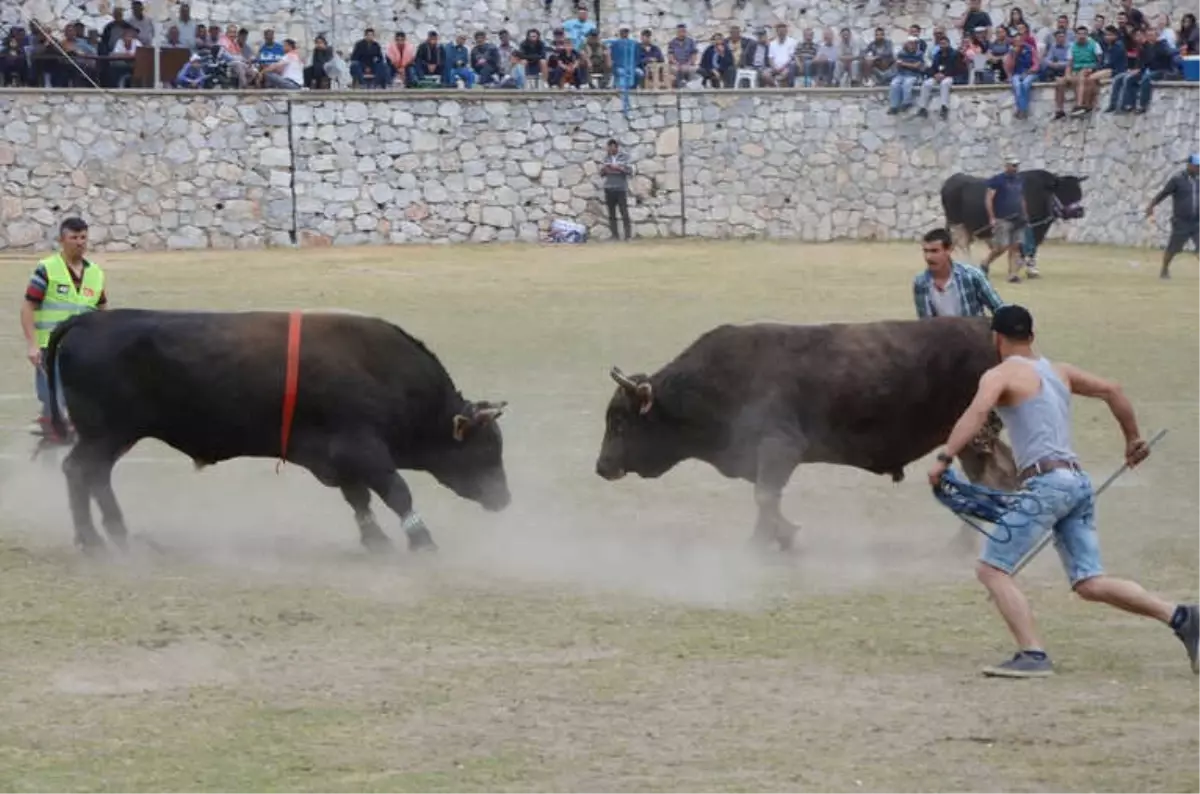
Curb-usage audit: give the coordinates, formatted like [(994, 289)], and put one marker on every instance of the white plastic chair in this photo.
[(750, 75)]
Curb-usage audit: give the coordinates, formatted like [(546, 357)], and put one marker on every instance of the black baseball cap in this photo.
[(1013, 321)]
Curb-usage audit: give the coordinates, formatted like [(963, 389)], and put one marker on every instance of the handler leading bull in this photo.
[(351, 398), (757, 401)]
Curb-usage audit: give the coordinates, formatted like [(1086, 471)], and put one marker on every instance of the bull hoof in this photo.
[(420, 541)]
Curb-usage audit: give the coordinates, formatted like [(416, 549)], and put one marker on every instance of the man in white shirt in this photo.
[(781, 53), (120, 64), (288, 72)]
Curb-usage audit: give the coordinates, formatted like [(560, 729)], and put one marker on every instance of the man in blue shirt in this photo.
[(1008, 217)]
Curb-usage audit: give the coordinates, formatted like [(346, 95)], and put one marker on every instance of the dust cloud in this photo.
[(681, 538)]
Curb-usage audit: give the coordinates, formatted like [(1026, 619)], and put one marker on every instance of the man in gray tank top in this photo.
[(1033, 397)]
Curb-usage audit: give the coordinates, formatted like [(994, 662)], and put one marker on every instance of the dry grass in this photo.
[(596, 635)]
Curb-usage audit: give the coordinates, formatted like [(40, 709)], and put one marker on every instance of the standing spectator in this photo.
[(716, 64), (651, 63), (288, 72), (781, 55), (849, 67), (1137, 20), (616, 171), (682, 55), (1061, 25), (975, 17), (191, 75), (1098, 28), (485, 59), (579, 28), (1184, 190), (598, 59), (1015, 17), (187, 28), (946, 69), (880, 59), (806, 53), (401, 55), (458, 63), (910, 65), (1021, 65), (142, 23), (622, 60), (315, 75), (14, 68), (1083, 61), (1189, 36), (1008, 216), (112, 31), (367, 63)]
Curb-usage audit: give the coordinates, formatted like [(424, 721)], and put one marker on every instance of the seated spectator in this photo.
[(849, 60), (1112, 64), (200, 37), (1156, 61), (565, 66), (367, 64), (191, 75), (506, 49), (1058, 54), (651, 64), (915, 32), (270, 52), (623, 55), (579, 28), (781, 58), (598, 59), (288, 72), (533, 54), (174, 38), (975, 18), (246, 50), (825, 63), (1188, 37), (682, 56), (458, 63), (111, 33), (485, 60), (1025, 35), (1162, 23), (879, 59), (1120, 86), (120, 64), (804, 53), (716, 64), (1016, 18), (997, 55), (1083, 61), (214, 38), (759, 58), (401, 55), (430, 60), (314, 73), (1021, 65), (910, 66), (738, 47), (945, 69)]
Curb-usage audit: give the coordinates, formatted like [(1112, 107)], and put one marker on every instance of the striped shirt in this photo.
[(35, 293), (975, 294)]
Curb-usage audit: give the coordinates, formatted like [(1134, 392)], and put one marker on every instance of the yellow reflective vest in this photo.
[(62, 299)]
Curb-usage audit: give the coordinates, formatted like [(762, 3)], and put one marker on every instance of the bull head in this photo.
[(642, 392), (476, 414)]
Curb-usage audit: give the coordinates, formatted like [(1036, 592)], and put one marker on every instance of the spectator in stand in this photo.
[(1015, 17), (1022, 67), (1083, 61), (577, 29), (270, 52), (191, 75), (975, 18), (716, 64), (805, 54), (1112, 65), (566, 67), (1098, 28), (598, 59), (910, 65), (1137, 20), (998, 52), (314, 74), (880, 59), (201, 37), (825, 63), (367, 64), (1156, 61), (485, 60), (1061, 25), (759, 58), (120, 65), (534, 54), (622, 60), (507, 52), (1056, 59), (781, 58), (739, 45), (288, 72), (1121, 82), (246, 49), (922, 45), (458, 63), (401, 56), (174, 39), (187, 28), (143, 24), (214, 37), (1189, 36), (682, 55), (946, 69), (112, 31), (1026, 36), (651, 63), (849, 67)]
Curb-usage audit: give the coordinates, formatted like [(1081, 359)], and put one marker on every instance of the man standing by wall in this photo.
[(1184, 190), (63, 284), (1008, 216), (616, 171)]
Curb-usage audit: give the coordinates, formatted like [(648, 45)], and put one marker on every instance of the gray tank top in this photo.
[(1040, 427)]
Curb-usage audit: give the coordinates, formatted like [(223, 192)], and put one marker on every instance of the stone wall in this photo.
[(185, 170), (344, 20)]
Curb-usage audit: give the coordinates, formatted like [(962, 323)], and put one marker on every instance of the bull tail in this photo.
[(56, 338)]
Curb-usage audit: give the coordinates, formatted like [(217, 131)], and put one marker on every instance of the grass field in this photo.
[(603, 636)]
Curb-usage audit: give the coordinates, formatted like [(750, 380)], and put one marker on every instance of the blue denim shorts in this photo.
[(1065, 503)]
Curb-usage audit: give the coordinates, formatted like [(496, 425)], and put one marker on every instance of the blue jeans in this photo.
[(461, 73), (1144, 86), (1066, 505), (381, 72), (1120, 86), (900, 93), (1022, 85), (42, 388)]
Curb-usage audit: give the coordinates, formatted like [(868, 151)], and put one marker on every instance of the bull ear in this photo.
[(645, 393), (461, 424), (476, 414)]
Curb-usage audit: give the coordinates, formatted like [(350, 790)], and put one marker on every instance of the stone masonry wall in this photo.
[(344, 20), (188, 170)]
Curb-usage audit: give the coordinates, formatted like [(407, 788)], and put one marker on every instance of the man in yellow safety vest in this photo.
[(63, 284)]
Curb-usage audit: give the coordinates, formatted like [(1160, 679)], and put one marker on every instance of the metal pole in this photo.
[(1046, 538), (157, 68)]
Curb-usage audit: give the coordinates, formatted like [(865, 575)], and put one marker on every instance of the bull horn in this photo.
[(622, 379)]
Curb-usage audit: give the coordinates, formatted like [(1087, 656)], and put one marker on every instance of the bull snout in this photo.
[(609, 470)]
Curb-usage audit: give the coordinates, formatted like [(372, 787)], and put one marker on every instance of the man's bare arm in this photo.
[(1086, 384), (991, 389), (989, 202)]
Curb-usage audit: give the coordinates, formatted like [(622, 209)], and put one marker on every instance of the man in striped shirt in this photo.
[(949, 288), (63, 284)]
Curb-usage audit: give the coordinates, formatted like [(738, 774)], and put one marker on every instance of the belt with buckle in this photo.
[(1046, 465)]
